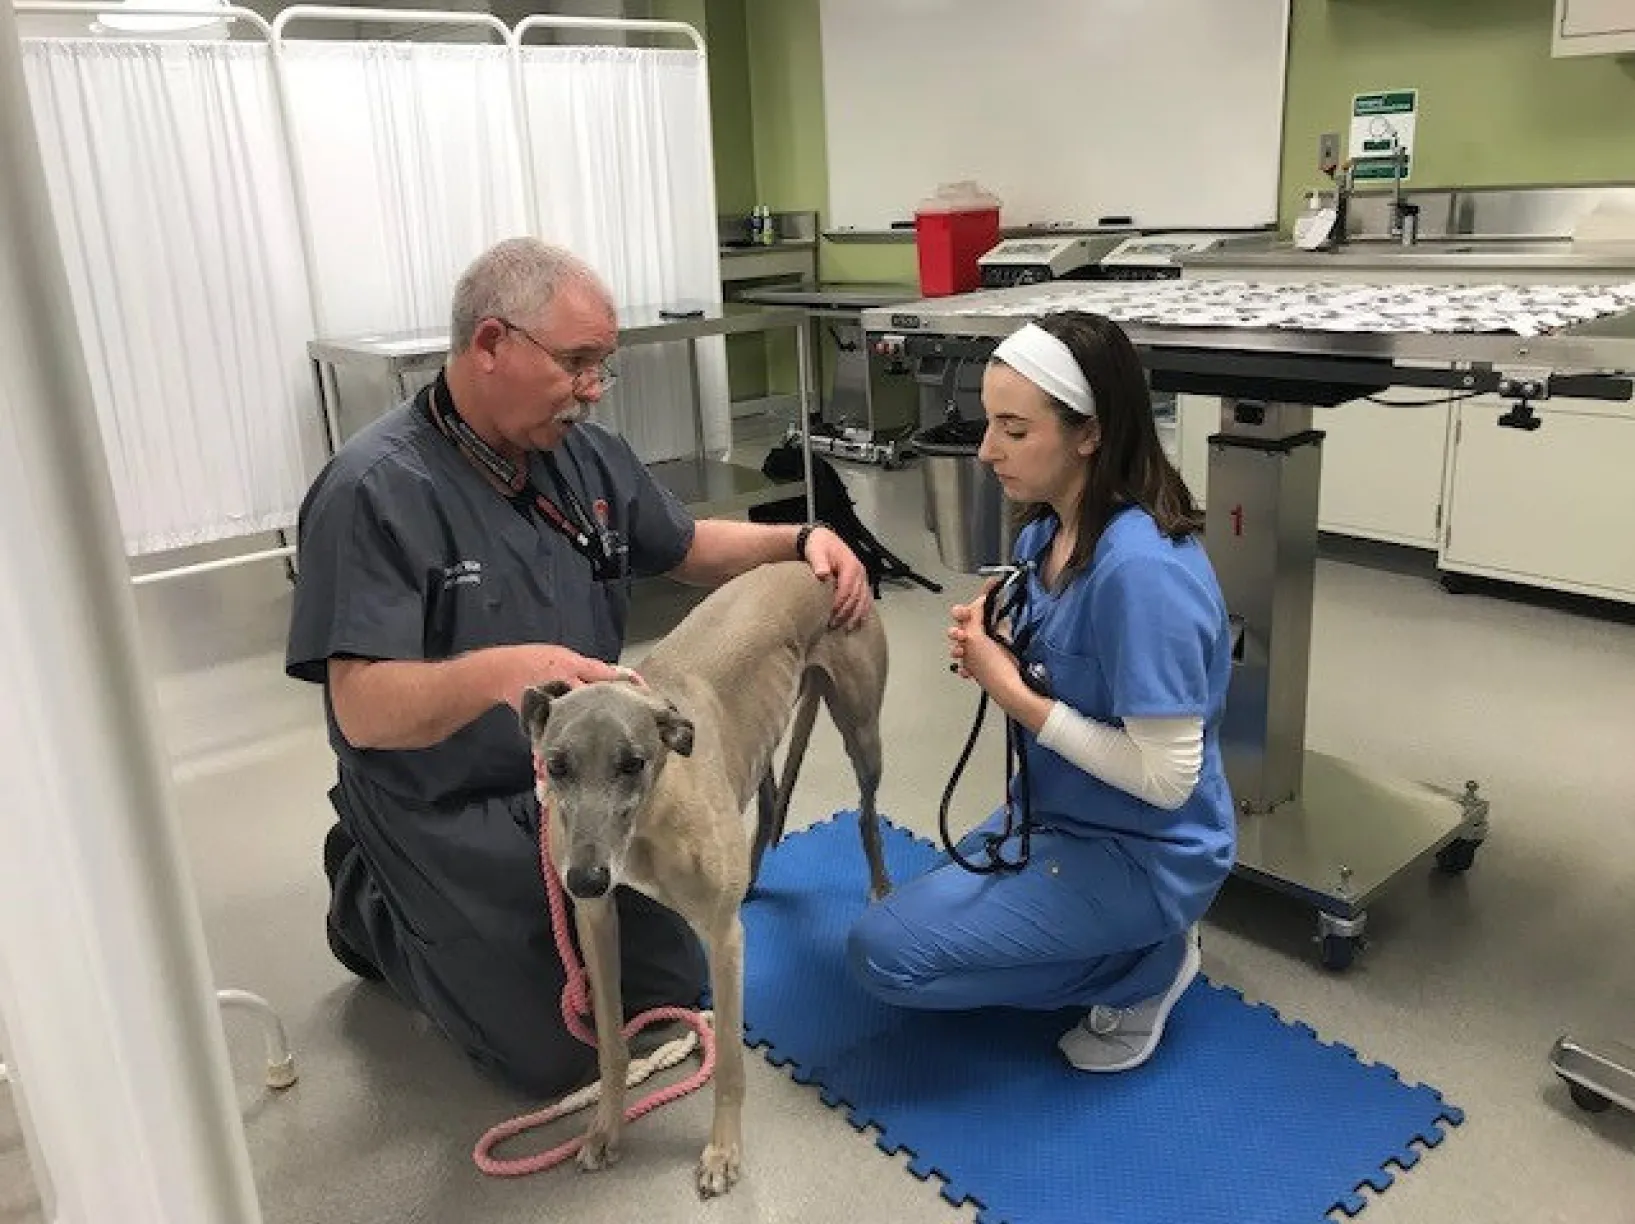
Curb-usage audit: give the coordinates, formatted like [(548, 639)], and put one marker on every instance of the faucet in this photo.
[(1341, 174), (1404, 217)]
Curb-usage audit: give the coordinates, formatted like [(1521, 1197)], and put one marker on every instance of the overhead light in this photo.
[(140, 17)]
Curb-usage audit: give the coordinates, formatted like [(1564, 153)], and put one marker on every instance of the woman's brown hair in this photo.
[(1129, 466)]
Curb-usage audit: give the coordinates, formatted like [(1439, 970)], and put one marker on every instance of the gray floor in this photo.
[(1465, 986)]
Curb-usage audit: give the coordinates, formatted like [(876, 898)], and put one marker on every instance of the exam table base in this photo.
[(1312, 825), (1598, 1075), (1348, 836)]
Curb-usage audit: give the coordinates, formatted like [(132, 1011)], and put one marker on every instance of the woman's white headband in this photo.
[(1048, 364)]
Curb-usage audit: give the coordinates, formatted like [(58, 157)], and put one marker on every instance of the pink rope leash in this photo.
[(576, 1011)]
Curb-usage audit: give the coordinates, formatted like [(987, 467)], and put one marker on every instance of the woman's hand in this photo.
[(977, 656)]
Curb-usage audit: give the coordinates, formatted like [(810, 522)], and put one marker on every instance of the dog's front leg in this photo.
[(718, 1167), (598, 923)]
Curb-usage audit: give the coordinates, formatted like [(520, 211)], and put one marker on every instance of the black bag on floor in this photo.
[(835, 507)]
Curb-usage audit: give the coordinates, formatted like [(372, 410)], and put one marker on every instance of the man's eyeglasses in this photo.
[(581, 369)]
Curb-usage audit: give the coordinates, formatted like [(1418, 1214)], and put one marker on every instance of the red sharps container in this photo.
[(952, 230)]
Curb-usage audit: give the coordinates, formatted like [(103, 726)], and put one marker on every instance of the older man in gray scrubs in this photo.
[(474, 541)]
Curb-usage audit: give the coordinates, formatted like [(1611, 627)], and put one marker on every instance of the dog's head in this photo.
[(598, 750)]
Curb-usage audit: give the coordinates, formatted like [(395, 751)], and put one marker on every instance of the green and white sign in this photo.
[(1380, 122)]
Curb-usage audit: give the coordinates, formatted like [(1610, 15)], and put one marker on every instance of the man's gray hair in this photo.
[(514, 280)]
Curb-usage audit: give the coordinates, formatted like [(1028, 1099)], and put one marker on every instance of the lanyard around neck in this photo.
[(512, 478)]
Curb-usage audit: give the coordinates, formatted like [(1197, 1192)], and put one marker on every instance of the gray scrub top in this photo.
[(407, 552)]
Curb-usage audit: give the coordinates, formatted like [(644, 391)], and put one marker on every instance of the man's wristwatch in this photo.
[(804, 534)]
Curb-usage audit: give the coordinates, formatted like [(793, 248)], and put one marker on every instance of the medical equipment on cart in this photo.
[(1032, 261)]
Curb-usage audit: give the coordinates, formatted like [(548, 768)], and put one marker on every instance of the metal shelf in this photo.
[(711, 487), (397, 363)]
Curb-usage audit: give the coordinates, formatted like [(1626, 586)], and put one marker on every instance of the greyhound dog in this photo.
[(645, 785)]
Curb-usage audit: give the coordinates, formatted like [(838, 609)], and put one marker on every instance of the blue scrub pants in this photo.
[(1077, 927)]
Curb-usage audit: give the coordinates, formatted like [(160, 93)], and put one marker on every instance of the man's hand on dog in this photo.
[(522, 667), (831, 559)]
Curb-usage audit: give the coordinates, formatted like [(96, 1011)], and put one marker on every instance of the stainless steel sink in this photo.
[(1462, 246), (1488, 252)]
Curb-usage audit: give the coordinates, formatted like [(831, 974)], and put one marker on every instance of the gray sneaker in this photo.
[(1119, 1038)]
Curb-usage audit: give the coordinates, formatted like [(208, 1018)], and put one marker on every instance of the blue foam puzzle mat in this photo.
[(1239, 1117)]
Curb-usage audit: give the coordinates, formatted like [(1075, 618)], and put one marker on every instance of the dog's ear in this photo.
[(536, 706), (675, 729)]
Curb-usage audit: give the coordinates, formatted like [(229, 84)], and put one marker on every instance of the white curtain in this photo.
[(174, 206), (176, 202), (410, 165), (621, 156)]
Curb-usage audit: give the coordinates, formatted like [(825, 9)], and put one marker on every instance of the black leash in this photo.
[(1002, 602)]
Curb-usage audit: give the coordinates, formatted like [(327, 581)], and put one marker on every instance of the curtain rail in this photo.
[(383, 16), (90, 8), (540, 21), (205, 567)]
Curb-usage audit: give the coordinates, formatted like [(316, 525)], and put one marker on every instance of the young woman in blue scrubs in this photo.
[(1125, 636)]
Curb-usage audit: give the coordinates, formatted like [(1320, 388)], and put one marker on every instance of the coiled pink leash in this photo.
[(576, 1013)]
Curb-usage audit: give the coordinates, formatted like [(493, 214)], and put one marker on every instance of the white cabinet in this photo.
[(1196, 417), (1383, 466), (1554, 507), (1593, 27)]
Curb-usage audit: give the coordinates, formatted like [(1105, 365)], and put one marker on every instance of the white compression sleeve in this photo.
[(1154, 759)]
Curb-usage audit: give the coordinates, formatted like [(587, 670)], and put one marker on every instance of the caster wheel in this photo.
[(1587, 1099), (1339, 951), (1456, 857)]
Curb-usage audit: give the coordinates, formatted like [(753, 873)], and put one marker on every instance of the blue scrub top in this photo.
[(1140, 632)]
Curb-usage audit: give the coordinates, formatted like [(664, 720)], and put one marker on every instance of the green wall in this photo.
[(786, 105), (723, 26), (786, 102), (1496, 108), (732, 124), (791, 159), (730, 111)]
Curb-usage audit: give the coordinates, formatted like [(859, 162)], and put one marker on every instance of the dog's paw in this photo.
[(717, 1170), (599, 1150)]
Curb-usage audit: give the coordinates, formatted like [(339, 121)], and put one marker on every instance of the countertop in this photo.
[(783, 244), (1439, 254), (839, 296), (637, 325)]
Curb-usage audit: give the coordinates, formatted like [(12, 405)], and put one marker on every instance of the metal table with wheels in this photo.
[(1312, 825), (850, 427), (358, 378)]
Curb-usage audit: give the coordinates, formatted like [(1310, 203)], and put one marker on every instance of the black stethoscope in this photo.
[(1005, 602)]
